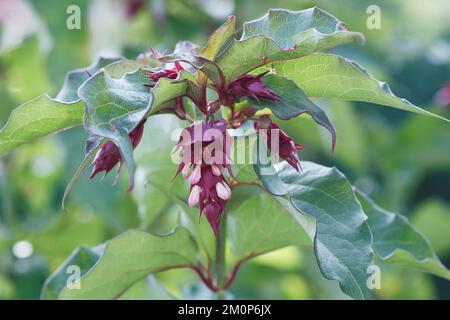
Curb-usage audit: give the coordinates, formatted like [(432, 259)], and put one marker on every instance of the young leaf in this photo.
[(396, 241), (331, 76), (212, 48), (130, 257), (293, 103), (38, 118), (342, 239), (75, 78), (218, 39), (283, 35)]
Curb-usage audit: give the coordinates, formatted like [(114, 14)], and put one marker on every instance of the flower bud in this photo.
[(109, 154), (252, 86), (196, 175), (287, 148), (186, 171), (194, 196), (223, 191), (208, 186), (216, 171)]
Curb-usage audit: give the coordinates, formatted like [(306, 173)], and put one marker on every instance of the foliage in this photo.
[(266, 78)]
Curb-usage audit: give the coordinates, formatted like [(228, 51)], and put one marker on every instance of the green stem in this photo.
[(220, 262)]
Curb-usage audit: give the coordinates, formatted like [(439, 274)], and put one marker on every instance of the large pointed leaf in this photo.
[(331, 76), (260, 225), (293, 103), (396, 241), (342, 238), (283, 35), (129, 258), (38, 118)]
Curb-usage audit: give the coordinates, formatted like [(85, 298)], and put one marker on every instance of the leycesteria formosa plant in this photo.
[(239, 85)]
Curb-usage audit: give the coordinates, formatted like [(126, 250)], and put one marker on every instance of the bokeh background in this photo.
[(401, 160)]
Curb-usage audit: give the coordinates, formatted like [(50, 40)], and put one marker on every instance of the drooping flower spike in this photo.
[(205, 150)]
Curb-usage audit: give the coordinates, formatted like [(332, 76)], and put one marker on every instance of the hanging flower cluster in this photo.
[(205, 145), (205, 148)]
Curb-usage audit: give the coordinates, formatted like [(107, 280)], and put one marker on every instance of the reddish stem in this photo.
[(235, 270), (206, 278)]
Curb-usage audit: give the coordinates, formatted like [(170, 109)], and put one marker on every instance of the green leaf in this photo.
[(293, 103), (396, 241), (218, 39), (265, 170), (75, 78), (114, 107), (342, 239), (147, 289), (130, 257), (166, 90), (259, 225), (38, 118), (283, 35), (331, 76), (119, 68), (210, 51), (82, 258)]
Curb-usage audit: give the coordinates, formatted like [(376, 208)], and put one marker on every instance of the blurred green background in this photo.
[(401, 160)]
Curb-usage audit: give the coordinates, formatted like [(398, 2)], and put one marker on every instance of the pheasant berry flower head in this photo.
[(286, 147), (205, 150)]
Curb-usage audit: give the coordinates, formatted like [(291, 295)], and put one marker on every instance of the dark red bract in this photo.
[(253, 87), (109, 154), (155, 75), (287, 148)]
